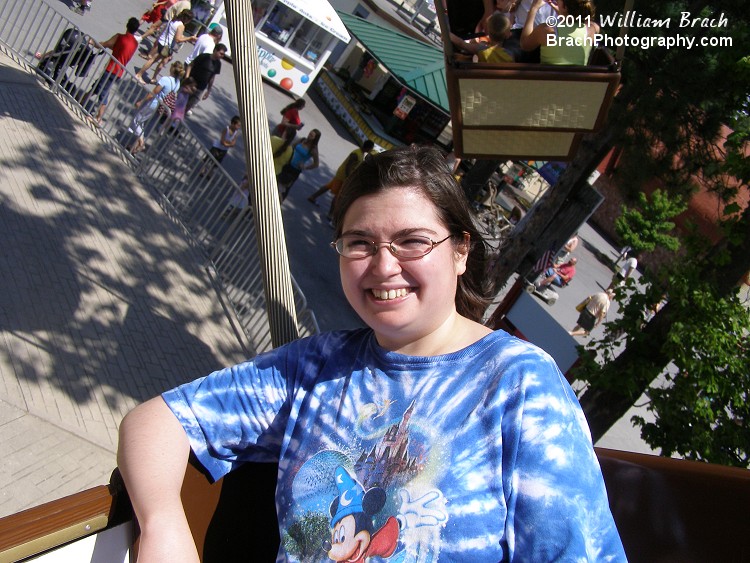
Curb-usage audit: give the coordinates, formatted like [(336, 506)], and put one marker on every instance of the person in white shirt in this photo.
[(206, 42), (520, 12), (626, 270)]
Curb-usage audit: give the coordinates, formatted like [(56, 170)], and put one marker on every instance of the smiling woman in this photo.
[(423, 436)]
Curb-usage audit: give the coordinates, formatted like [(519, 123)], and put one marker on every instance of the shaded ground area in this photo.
[(103, 303)]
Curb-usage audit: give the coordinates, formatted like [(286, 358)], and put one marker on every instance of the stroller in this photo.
[(72, 51)]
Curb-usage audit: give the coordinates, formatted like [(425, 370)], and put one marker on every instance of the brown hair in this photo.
[(185, 16), (580, 8), (298, 103), (314, 142), (423, 168), (498, 26)]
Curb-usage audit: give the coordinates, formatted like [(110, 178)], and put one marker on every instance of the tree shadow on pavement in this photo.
[(104, 303)]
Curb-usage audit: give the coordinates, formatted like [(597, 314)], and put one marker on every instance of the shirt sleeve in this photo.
[(236, 414), (556, 499)]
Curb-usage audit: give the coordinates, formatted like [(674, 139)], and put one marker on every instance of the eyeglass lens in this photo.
[(410, 246)]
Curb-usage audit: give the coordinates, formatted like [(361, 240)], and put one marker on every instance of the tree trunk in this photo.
[(543, 227), (604, 406)]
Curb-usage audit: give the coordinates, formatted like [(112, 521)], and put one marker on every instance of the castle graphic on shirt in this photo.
[(389, 459), (348, 506)]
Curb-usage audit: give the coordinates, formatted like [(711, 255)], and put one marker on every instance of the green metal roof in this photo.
[(416, 65)]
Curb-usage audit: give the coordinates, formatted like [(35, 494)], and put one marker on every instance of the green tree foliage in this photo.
[(677, 99), (701, 408), (304, 538), (672, 132), (649, 225), (699, 402)]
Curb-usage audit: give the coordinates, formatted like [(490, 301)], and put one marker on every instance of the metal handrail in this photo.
[(170, 165)]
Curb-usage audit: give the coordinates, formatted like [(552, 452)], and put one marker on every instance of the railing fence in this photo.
[(212, 209)]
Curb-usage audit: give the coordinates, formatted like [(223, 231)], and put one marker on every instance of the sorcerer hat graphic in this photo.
[(351, 495)]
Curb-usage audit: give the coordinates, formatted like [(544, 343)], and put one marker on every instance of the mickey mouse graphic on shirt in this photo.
[(353, 538)]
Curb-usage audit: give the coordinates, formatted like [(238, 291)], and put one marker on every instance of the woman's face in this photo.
[(405, 301)]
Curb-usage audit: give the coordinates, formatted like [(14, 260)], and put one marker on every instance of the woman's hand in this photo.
[(535, 6)]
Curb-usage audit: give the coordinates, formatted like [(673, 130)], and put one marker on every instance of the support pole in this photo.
[(264, 195)]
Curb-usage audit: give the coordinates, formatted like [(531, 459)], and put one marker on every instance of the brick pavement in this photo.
[(102, 302)]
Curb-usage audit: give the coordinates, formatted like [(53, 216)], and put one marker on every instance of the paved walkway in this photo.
[(102, 303)]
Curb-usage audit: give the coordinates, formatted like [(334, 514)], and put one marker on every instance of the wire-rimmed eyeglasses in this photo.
[(408, 246)]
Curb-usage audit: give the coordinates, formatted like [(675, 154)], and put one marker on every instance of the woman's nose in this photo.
[(384, 261)]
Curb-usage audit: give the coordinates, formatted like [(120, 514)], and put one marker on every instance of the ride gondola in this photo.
[(523, 111)]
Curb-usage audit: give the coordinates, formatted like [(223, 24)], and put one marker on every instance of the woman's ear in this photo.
[(464, 246), (462, 253)]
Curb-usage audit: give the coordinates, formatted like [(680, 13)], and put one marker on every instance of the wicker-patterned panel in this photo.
[(531, 103), (509, 143)]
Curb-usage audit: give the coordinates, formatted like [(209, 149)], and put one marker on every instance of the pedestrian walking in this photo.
[(593, 310), (290, 119), (304, 157), (227, 139), (169, 38), (148, 105), (567, 250), (187, 87), (204, 69), (625, 270), (344, 170), (206, 42), (172, 9), (123, 46)]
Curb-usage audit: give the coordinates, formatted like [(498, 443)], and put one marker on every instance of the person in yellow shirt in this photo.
[(342, 173), (282, 151), (498, 30)]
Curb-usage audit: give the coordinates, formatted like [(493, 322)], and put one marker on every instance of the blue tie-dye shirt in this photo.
[(479, 455)]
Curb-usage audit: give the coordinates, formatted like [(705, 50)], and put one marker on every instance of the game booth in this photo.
[(294, 38)]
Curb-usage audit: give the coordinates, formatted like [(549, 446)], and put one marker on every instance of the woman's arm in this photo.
[(152, 457), (557, 500), (179, 37), (285, 121), (150, 96), (533, 37), (489, 9), (315, 163), (470, 47)]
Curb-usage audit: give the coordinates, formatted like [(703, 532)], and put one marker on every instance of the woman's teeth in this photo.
[(389, 293)]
